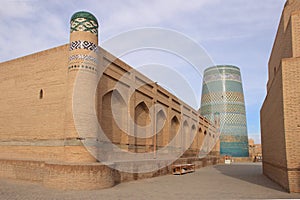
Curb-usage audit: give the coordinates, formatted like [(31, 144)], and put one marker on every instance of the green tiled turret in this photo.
[(84, 21)]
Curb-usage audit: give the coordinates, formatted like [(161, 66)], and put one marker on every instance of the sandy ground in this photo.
[(237, 181)]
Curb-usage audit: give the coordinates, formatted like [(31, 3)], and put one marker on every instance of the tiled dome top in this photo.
[(84, 14), (217, 67)]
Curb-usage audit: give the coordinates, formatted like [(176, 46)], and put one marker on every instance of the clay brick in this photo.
[(280, 126)]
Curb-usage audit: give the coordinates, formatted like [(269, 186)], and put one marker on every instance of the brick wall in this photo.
[(280, 125), (59, 175), (291, 77), (32, 124), (272, 125), (22, 110)]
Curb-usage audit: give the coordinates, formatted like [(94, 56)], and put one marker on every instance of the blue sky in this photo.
[(237, 32)]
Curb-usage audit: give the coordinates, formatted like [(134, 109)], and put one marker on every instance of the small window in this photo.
[(41, 93)]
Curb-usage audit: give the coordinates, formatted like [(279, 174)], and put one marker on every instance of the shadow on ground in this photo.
[(250, 172)]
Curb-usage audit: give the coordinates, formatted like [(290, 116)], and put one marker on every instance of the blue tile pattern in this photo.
[(222, 93)]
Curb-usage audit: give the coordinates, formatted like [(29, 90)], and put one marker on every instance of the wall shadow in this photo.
[(249, 172)]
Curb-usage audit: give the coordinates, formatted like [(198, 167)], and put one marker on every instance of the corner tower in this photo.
[(81, 74), (83, 42)]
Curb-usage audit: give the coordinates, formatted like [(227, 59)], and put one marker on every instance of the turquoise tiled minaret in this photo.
[(222, 93)]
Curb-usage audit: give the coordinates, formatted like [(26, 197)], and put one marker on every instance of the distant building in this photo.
[(280, 113), (254, 150), (222, 94)]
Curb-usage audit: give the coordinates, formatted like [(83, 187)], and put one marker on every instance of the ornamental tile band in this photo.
[(83, 45), (229, 96), (82, 67), (227, 76), (223, 93), (83, 57)]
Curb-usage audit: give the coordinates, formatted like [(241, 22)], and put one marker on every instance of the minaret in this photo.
[(83, 42), (82, 71), (222, 93)]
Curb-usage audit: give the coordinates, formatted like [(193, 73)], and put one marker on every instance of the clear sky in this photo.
[(236, 32)]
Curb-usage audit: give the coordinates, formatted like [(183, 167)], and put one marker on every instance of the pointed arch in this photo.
[(193, 137), (193, 128), (186, 135), (200, 137), (142, 121), (161, 129), (174, 128), (114, 123), (142, 115)]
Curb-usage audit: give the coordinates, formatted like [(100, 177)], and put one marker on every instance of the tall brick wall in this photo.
[(22, 109), (291, 94), (296, 32), (280, 114), (283, 47), (135, 102), (34, 127), (272, 128), (30, 124)]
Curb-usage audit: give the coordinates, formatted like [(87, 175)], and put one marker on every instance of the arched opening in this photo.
[(173, 131), (142, 121), (206, 141), (200, 138), (161, 132), (193, 137), (114, 121), (41, 94), (186, 136)]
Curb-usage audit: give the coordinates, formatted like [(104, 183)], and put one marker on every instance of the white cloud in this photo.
[(201, 19), (132, 14), (29, 27), (16, 9)]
